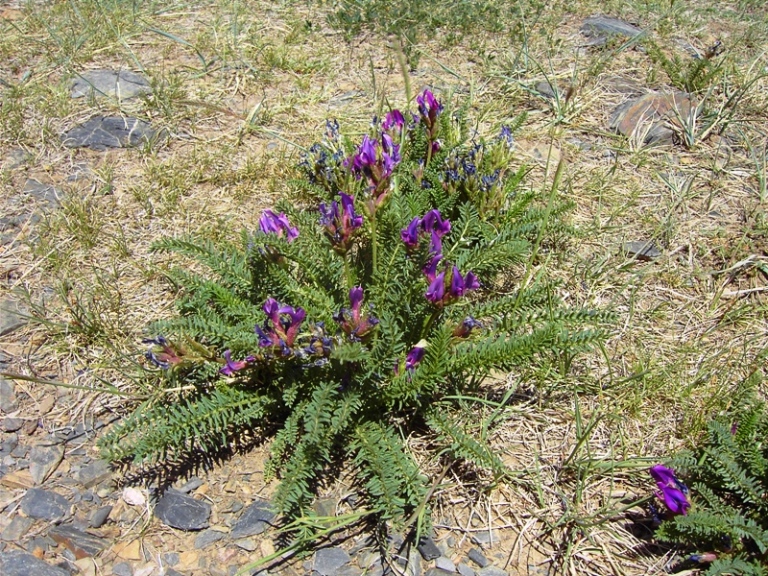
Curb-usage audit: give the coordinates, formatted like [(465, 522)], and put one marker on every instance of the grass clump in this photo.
[(347, 330)]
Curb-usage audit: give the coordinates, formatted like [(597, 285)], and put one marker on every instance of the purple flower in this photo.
[(465, 328), (393, 119), (233, 366), (430, 269), (410, 234), (352, 320), (281, 327), (340, 224), (366, 154), (349, 219), (163, 353), (460, 286), (271, 223), (413, 357), (435, 244), (436, 290), (429, 107), (433, 222), (671, 490)]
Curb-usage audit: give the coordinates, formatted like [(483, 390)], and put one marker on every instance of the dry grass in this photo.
[(251, 84)]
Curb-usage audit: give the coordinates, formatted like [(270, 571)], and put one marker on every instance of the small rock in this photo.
[(207, 537), (465, 570), (94, 473), (16, 529), (246, 544), (600, 28), (99, 517), (12, 424), (483, 538), (445, 564), (85, 566), (7, 393), (17, 563), (122, 569), (193, 484), (329, 560), (134, 496), (121, 84), (17, 479), (145, 570), (439, 572), (492, 571), (180, 511), (16, 158), (128, 550), (12, 317), (46, 194), (476, 557), (649, 115), (102, 132), (256, 518), (547, 89), (170, 558), (43, 461), (428, 549), (81, 544), (645, 251), (38, 546), (44, 505)]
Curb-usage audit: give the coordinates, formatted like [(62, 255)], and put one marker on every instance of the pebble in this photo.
[(193, 484), (99, 516), (120, 84), (7, 392), (44, 505), (46, 194), (328, 560), (122, 569), (207, 537), (483, 538), (439, 572), (16, 529), (12, 424), (93, 473), (428, 549), (178, 510), (256, 518), (465, 570), (12, 317), (102, 132), (642, 250), (445, 564), (476, 556), (43, 461), (600, 28), (649, 115), (170, 558), (18, 563), (247, 544)]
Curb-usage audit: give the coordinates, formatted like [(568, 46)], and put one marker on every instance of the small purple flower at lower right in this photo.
[(671, 490)]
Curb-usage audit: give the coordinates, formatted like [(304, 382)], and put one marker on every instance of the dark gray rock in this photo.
[(207, 537), (16, 529), (93, 473), (12, 316), (12, 424), (123, 569), (44, 505), (328, 560), (445, 564), (46, 194), (256, 518), (465, 570), (120, 84), (180, 511), (650, 116), (81, 544), (428, 549), (170, 558), (7, 391), (600, 28), (19, 563), (43, 461), (476, 557), (642, 250), (99, 517), (247, 544), (102, 132), (492, 571)]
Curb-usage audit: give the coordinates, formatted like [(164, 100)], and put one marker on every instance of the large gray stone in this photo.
[(18, 563), (44, 505), (254, 520), (102, 132), (120, 84), (181, 511), (600, 28)]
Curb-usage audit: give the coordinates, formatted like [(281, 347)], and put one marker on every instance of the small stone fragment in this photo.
[(43, 461), (246, 544), (86, 566), (7, 392), (445, 564), (645, 251), (134, 496), (99, 517), (600, 28), (18, 563), (170, 558), (81, 544), (120, 84), (17, 479), (16, 529), (476, 556), (256, 518), (483, 538), (12, 424), (193, 484), (649, 116), (102, 132), (128, 550), (46, 194), (329, 560), (547, 89), (465, 570), (428, 549), (12, 317), (95, 473), (122, 569), (492, 571), (207, 537), (439, 572), (44, 505), (180, 511)]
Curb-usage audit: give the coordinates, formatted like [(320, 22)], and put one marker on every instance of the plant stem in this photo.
[(374, 243)]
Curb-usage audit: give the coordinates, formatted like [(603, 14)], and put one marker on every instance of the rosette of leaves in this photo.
[(727, 479), (343, 327)]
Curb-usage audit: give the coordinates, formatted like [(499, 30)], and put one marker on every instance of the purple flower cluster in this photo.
[(232, 366), (433, 224), (163, 353), (340, 222), (671, 490), (375, 161), (271, 223), (393, 122), (356, 324), (429, 110), (281, 326)]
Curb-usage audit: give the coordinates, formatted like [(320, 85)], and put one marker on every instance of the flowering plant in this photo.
[(355, 321)]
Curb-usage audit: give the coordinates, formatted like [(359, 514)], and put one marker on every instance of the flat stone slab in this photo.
[(650, 116), (120, 84), (81, 544), (178, 510), (102, 132), (329, 560), (600, 28), (44, 505), (18, 563), (254, 520), (44, 193), (43, 461)]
